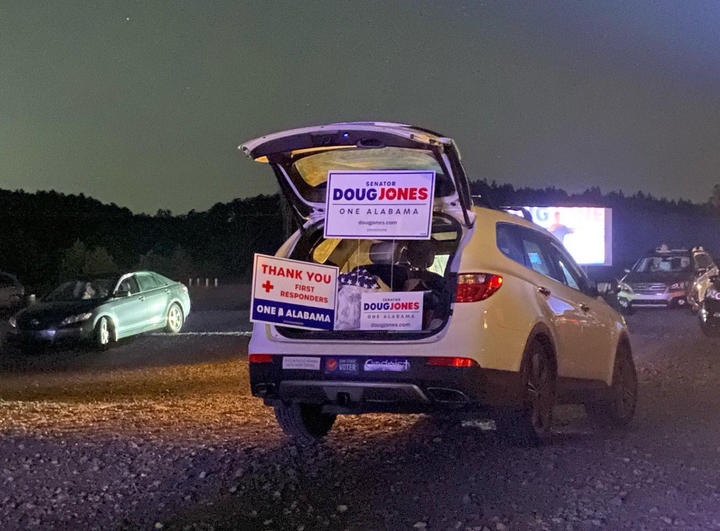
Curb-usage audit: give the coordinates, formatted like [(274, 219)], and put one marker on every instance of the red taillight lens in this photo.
[(451, 362), (260, 358), (474, 287)]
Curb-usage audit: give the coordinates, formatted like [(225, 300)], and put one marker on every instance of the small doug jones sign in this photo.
[(380, 205), (292, 293)]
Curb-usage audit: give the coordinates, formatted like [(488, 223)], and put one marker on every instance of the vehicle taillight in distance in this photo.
[(474, 287), (260, 358)]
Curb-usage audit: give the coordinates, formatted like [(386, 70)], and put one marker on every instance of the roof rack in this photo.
[(665, 249), (518, 211)]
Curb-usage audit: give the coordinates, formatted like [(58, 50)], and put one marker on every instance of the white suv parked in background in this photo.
[(511, 324)]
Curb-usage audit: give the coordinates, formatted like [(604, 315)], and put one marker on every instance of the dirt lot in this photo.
[(161, 433)]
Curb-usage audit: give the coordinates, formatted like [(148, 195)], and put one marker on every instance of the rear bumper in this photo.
[(420, 387)]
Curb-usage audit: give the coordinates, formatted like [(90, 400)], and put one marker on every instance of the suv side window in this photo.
[(147, 282), (508, 241), (537, 254)]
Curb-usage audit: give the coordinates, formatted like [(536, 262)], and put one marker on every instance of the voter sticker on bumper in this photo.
[(342, 366), (386, 365), (304, 363)]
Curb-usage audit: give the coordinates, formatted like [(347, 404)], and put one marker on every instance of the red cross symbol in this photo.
[(267, 286)]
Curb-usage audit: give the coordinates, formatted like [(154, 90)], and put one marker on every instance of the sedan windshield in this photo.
[(78, 290), (663, 264)]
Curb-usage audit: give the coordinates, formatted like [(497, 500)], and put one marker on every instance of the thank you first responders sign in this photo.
[(292, 293), (381, 205)]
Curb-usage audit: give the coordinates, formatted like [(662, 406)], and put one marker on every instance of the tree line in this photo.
[(48, 236)]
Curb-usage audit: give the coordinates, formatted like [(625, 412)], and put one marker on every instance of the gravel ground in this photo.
[(161, 433)]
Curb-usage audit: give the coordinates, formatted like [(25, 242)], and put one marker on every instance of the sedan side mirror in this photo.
[(591, 289), (122, 293)]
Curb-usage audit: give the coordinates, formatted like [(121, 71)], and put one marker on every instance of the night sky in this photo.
[(144, 103)]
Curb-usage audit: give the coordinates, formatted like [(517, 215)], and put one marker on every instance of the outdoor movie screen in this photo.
[(586, 232)]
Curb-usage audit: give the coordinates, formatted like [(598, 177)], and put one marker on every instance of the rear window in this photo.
[(164, 281), (309, 172), (508, 242)]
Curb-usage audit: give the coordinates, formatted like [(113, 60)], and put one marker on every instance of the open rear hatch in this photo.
[(302, 159)]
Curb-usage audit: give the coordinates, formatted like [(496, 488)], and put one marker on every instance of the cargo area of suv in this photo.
[(389, 266)]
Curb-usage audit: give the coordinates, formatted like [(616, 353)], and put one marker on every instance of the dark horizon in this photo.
[(529, 189)]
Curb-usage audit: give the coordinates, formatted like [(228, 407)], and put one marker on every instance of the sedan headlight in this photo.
[(13, 321), (677, 285), (75, 319)]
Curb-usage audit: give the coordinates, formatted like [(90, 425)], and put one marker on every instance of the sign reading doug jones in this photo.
[(379, 205)]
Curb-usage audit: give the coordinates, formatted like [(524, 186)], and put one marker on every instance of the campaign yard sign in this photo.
[(293, 293), (391, 311), (380, 205)]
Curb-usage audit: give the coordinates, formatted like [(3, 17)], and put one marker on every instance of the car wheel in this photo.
[(103, 333), (175, 319), (304, 421), (531, 425), (619, 409), (709, 325)]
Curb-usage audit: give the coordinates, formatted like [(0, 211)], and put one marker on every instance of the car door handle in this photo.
[(543, 291), (585, 308), (141, 298)]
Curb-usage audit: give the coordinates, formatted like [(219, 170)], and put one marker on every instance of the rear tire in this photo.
[(103, 334), (531, 425), (175, 319), (618, 411), (304, 421)]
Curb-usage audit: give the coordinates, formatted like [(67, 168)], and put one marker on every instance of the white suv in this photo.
[(510, 326)]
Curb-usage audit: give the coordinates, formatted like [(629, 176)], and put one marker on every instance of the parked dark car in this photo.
[(12, 293), (103, 310), (663, 278)]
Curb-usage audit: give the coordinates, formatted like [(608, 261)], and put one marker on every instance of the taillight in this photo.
[(260, 358), (451, 362), (474, 287)]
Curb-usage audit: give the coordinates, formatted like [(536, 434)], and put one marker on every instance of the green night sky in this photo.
[(144, 103)]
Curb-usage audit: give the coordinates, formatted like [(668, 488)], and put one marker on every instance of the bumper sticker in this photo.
[(387, 365), (305, 363), (342, 366)]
